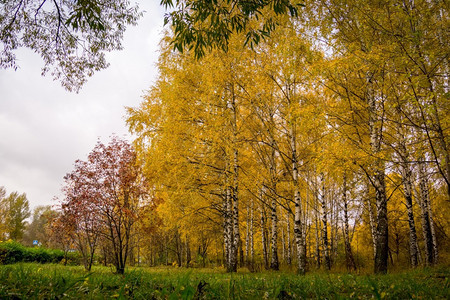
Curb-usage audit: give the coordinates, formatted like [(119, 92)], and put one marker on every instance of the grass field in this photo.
[(50, 281)]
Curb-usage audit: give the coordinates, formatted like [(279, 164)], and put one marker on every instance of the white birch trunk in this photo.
[(252, 247), (407, 187), (350, 261), (226, 227), (274, 264), (235, 219), (317, 231), (426, 226), (235, 235), (288, 236), (382, 248), (264, 238), (372, 224), (298, 226), (433, 234), (247, 237), (376, 134), (229, 216), (326, 253), (283, 244), (406, 173)]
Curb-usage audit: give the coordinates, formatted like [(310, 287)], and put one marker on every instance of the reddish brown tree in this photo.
[(60, 234), (103, 196), (80, 214)]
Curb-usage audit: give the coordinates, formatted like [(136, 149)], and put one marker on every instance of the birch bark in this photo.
[(252, 247), (233, 187), (227, 226), (350, 261), (376, 135), (433, 234), (264, 239), (373, 230), (288, 237), (326, 250), (298, 227), (426, 226), (274, 264), (247, 237), (407, 187)]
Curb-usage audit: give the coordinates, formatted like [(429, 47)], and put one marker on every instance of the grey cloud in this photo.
[(44, 129)]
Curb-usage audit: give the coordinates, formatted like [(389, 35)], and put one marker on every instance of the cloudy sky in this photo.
[(44, 128)]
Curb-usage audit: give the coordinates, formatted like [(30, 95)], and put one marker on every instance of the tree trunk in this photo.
[(283, 244), (298, 229), (317, 233), (234, 189), (247, 237), (166, 244), (178, 248), (382, 247), (288, 237), (407, 185), (333, 228), (264, 239), (229, 229), (326, 253), (188, 251), (226, 226), (426, 226), (241, 253), (349, 259), (433, 234), (274, 264), (375, 123), (252, 247), (372, 223), (235, 237), (406, 173)]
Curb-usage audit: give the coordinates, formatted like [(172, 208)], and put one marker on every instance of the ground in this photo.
[(52, 281)]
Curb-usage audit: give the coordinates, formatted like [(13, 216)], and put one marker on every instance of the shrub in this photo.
[(12, 252), (72, 259)]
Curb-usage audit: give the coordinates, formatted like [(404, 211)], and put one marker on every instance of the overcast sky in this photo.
[(44, 128)]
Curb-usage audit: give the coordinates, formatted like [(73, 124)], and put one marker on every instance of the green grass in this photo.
[(50, 281)]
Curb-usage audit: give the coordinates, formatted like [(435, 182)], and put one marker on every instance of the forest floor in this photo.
[(51, 281)]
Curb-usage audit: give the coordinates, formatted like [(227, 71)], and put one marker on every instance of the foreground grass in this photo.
[(35, 281)]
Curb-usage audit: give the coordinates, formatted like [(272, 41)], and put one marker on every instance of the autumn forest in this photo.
[(319, 142)]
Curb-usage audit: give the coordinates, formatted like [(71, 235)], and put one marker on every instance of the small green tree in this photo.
[(3, 212), (17, 210)]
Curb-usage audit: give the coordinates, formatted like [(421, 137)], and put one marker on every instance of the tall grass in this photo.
[(50, 281)]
